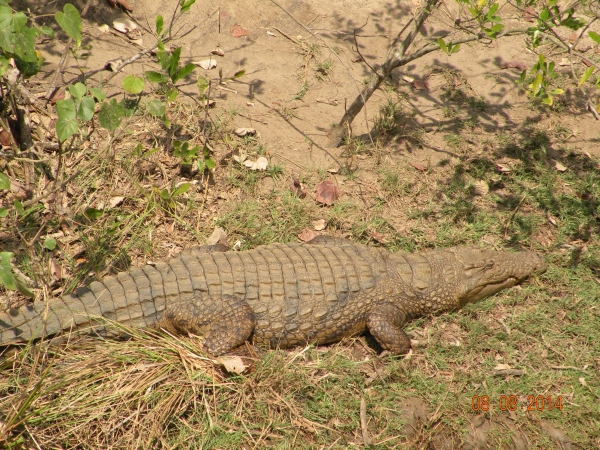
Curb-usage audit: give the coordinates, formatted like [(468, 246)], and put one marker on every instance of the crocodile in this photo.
[(280, 295)]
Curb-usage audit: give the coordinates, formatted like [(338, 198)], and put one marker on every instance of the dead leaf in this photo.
[(206, 64), (55, 269), (551, 219), (421, 85), (241, 132), (502, 168), (408, 79), (377, 237), (216, 236), (233, 364), (333, 170), (124, 25), (582, 381), (306, 235), (115, 201), (218, 51), (513, 65), (120, 3), (112, 65), (502, 367), (297, 188), (327, 192), (104, 28), (529, 14), (4, 138), (319, 225), (250, 104), (559, 167), (270, 33), (260, 164), (238, 31), (587, 62), (419, 167), (481, 188)]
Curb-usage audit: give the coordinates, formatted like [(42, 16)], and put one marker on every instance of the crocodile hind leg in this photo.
[(226, 322), (385, 322)]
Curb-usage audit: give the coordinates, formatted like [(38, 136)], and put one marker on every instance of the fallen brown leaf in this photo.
[(327, 192), (421, 85), (4, 138), (502, 168), (306, 235), (238, 31), (558, 166), (377, 237), (297, 188), (120, 3), (319, 224), (513, 65), (419, 167)]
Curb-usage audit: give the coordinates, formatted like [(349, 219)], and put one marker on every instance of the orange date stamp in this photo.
[(511, 403)]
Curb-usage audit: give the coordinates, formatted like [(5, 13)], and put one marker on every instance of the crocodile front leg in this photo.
[(225, 323), (385, 322)]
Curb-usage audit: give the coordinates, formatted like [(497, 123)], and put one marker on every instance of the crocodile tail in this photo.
[(126, 298)]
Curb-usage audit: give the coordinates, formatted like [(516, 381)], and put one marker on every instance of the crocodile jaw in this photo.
[(488, 272)]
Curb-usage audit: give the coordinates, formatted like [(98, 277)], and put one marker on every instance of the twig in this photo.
[(128, 61), (363, 423), (251, 118), (287, 36), (592, 109)]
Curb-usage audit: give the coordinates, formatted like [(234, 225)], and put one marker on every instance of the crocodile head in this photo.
[(486, 272)]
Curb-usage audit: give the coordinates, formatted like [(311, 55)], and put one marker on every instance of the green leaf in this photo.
[(184, 72), (155, 77), (537, 84), (65, 128), (165, 195), (3, 65), (171, 95), (573, 23), (4, 182), (93, 213), (50, 243), (182, 189), (186, 5), (174, 63), (133, 84), (203, 84), (239, 74), (19, 207), (65, 109), (24, 44), (545, 14), (156, 108), (3, 212), (23, 289), (595, 36), (70, 22), (98, 94), (210, 163), (159, 24), (7, 278), (110, 115), (85, 109), (557, 91), (47, 31), (455, 48), (442, 45), (77, 90), (548, 100), (130, 106), (492, 10), (588, 73)]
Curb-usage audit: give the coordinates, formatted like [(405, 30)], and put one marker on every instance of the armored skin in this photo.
[(281, 295)]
